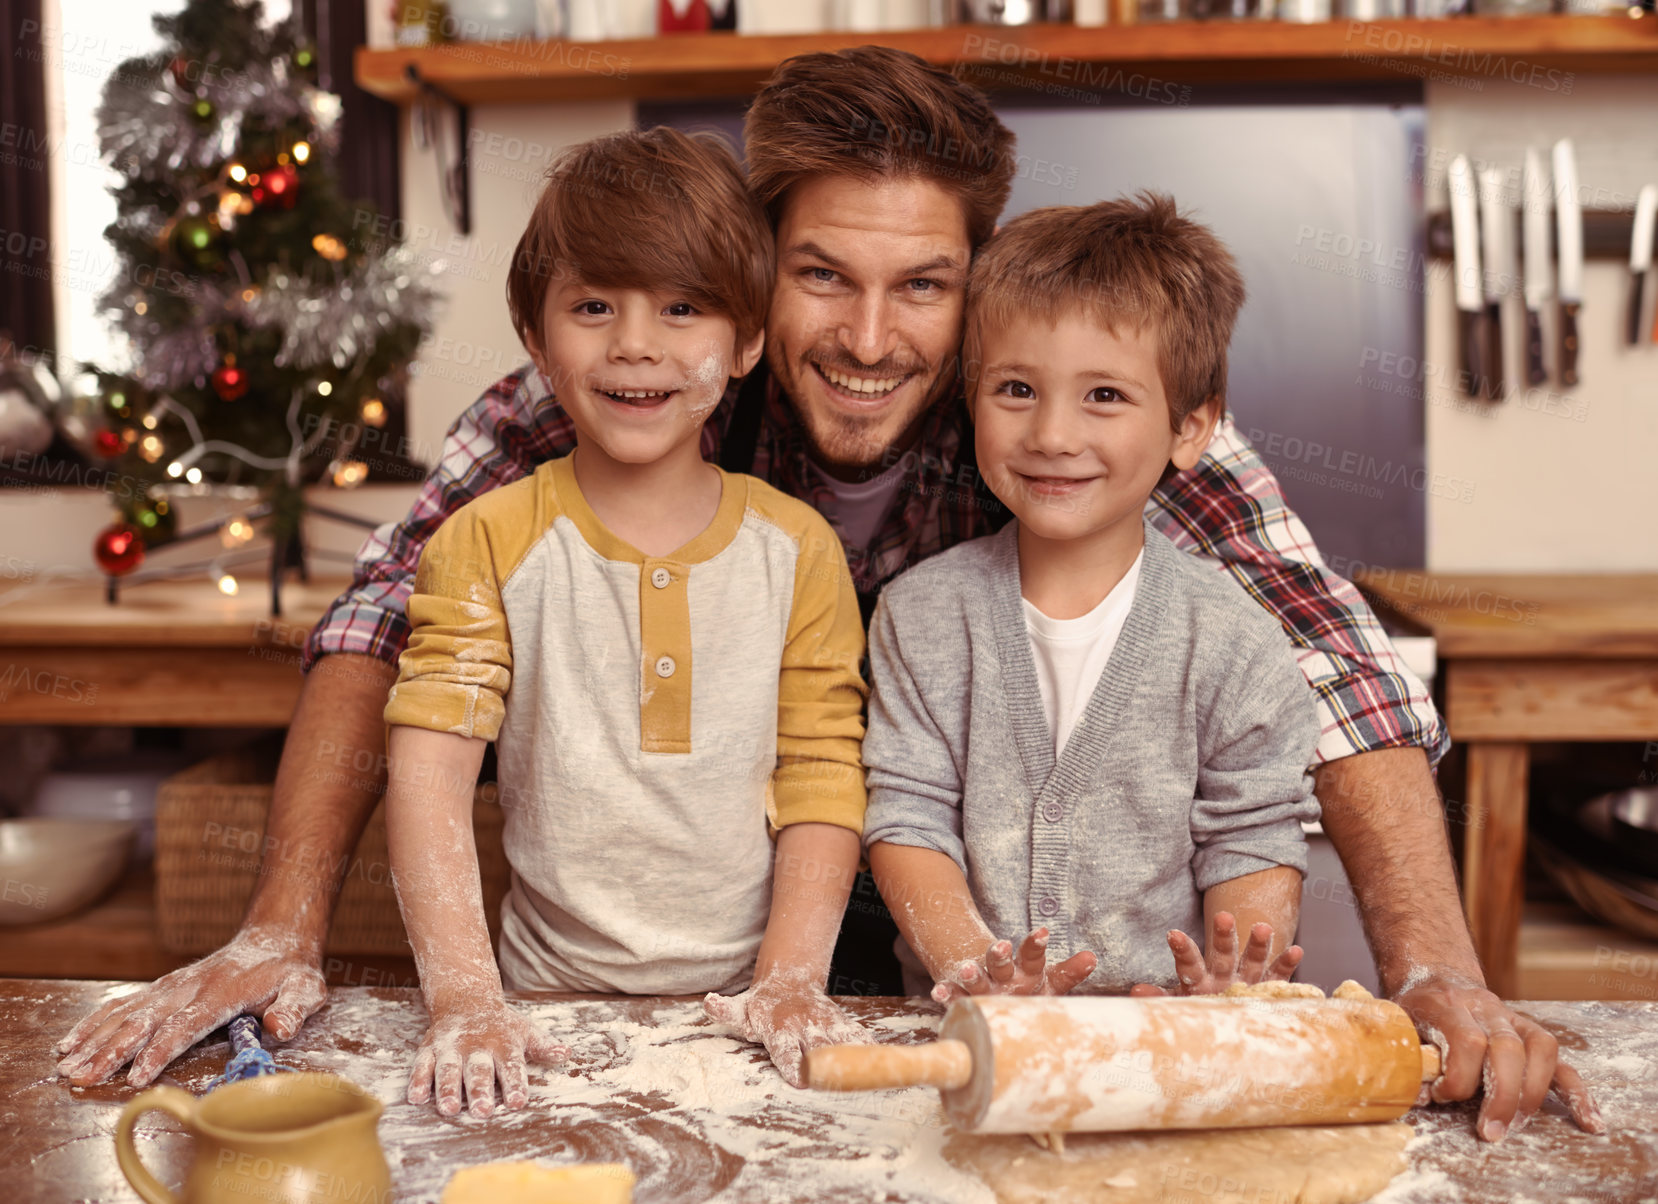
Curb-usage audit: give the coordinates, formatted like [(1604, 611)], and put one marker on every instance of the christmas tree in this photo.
[(260, 327)]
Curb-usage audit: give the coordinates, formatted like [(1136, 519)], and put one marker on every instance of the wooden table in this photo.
[(1525, 658), (700, 1116), (169, 653)]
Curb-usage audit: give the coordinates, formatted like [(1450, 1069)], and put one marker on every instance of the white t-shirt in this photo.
[(859, 506), (1070, 654)]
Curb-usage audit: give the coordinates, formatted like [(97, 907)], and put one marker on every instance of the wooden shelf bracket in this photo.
[(454, 178)]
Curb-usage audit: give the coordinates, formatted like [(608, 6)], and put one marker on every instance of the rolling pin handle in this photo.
[(947, 1065), (1430, 1063)]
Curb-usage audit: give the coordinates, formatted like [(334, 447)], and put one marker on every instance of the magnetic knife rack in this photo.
[(1606, 233)]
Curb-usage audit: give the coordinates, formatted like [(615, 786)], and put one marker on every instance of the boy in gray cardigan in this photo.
[(1076, 730)]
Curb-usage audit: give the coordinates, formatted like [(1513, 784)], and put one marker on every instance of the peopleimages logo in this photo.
[(1309, 453)]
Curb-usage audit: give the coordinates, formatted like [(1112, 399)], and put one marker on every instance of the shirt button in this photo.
[(660, 578), (1048, 906), (1053, 812), (665, 666)]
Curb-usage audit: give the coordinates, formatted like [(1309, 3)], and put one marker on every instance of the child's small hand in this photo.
[(472, 1047), (789, 1016), (1223, 967), (1001, 972)]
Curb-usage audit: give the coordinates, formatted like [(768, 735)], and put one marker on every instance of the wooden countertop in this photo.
[(187, 613), (1608, 616), (700, 1116)]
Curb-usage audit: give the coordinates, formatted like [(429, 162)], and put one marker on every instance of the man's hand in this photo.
[(473, 1045), (1514, 1058), (789, 1016), (1001, 972), (1223, 968), (265, 974)]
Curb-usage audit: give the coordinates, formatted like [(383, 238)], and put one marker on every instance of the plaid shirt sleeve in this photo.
[(500, 438), (1229, 508)]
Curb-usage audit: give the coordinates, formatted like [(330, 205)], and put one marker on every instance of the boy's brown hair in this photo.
[(873, 111), (653, 209), (1133, 261)]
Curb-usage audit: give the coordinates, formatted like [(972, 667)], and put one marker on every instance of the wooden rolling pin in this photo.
[(1032, 1064)]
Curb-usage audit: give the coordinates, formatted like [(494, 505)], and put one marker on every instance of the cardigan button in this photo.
[(665, 666), (1053, 812), (1048, 905), (661, 577)]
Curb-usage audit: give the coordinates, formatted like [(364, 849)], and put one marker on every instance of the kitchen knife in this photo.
[(1466, 270), (1534, 226), (1568, 218), (1640, 257), (1496, 270)]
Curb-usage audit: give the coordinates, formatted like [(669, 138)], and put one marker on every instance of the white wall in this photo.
[(1562, 482), (473, 343)]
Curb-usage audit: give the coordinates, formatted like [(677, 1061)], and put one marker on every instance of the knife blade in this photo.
[(1496, 270), (1568, 218), (1640, 257), (1534, 230), (1466, 271)]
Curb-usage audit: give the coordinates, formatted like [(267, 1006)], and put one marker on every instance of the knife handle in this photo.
[(1637, 291), (1493, 338), (1471, 340), (1568, 343), (1535, 372)]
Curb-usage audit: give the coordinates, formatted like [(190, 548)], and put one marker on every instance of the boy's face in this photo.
[(1072, 425), (637, 371)]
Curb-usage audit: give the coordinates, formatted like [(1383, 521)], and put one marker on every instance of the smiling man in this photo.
[(881, 176)]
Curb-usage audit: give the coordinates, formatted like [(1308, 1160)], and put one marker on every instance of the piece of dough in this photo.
[(532, 1183), (1275, 990), (1337, 1164), (1350, 990)]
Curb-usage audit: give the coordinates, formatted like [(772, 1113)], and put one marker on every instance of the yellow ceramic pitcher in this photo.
[(303, 1138)]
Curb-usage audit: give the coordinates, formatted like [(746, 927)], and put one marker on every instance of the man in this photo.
[(882, 176)]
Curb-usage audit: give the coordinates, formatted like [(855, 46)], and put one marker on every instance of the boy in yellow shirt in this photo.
[(666, 654)]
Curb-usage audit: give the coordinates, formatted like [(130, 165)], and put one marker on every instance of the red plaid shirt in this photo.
[(1227, 509)]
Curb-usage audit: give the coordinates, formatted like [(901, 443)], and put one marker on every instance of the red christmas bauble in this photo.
[(230, 382), (108, 444), (277, 188), (119, 549)]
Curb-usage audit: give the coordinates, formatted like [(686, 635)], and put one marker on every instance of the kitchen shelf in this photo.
[(1565, 953), (117, 938), (1054, 61)]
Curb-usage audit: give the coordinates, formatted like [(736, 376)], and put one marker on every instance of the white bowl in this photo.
[(127, 792), (50, 868)]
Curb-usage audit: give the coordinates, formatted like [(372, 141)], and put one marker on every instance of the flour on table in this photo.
[(671, 1094)]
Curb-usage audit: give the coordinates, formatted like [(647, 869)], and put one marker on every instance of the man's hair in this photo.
[(653, 209), (871, 112), (1129, 262)]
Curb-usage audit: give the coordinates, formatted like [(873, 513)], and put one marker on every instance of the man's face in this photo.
[(865, 321)]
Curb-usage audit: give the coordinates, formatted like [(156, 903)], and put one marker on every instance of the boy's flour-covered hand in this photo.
[(469, 1046), (1223, 967), (1001, 971), (789, 1015)]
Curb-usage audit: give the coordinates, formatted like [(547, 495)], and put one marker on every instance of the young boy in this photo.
[(1077, 730), (666, 654)]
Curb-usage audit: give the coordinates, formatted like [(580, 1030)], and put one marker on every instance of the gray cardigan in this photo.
[(1188, 767)]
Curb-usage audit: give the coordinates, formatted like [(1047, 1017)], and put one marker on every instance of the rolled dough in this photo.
[(1338, 1164)]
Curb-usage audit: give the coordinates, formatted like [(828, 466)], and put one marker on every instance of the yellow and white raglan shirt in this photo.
[(656, 718)]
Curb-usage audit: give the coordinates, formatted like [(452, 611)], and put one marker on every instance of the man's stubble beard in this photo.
[(843, 441)]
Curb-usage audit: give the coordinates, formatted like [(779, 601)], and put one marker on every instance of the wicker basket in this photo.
[(210, 849)]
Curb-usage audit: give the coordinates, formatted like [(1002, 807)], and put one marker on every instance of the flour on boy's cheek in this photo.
[(704, 382)]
